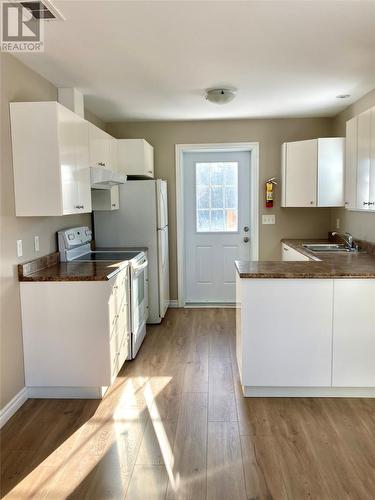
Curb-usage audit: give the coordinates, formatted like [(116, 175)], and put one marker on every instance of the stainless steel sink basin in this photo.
[(326, 247)]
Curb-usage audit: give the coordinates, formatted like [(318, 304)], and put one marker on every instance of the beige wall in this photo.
[(270, 134), (361, 225), (18, 83)]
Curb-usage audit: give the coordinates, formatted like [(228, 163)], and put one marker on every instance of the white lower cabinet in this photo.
[(289, 254), (76, 335), (306, 337), (354, 333), (285, 342)]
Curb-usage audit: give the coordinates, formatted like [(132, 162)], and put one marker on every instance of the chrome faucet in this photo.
[(347, 238)]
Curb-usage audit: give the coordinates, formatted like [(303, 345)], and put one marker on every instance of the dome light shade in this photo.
[(220, 96)]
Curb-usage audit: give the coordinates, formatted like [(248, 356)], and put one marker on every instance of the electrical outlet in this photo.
[(337, 223), (36, 243), (19, 248), (268, 219)]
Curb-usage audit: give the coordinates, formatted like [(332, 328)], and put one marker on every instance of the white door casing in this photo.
[(180, 149), (216, 221)]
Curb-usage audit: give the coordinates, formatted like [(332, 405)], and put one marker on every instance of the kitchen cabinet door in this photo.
[(354, 333), (99, 147), (82, 165), (289, 254), (286, 328), (74, 160), (67, 128), (331, 152), (299, 172), (105, 199), (112, 154), (363, 160), (351, 164), (372, 162)]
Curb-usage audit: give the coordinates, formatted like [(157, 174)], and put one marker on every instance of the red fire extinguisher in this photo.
[(270, 187)]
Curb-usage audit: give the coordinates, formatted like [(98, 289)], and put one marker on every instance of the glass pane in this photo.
[(217, 220), (230, 176), (231, 197), (217, 197), (203, 173), (231, 220), (203, 197), (203, 220), (217, 174)]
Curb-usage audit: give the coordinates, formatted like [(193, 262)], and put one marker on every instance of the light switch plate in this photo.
[(268, 219), (19, 248)]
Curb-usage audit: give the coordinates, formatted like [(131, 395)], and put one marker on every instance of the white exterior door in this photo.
[(216, 222)]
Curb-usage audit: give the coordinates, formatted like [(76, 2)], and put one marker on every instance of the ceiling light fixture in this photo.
[(342, 96), (220, 96)]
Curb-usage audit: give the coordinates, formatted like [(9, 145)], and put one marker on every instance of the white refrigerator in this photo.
[(141, 221)]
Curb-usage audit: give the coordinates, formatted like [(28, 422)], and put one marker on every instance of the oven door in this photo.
[(139, 302)]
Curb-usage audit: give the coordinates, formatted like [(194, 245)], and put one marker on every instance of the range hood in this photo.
[(104, 178)]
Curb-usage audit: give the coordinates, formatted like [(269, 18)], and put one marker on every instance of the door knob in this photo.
[(246, 239), (246, 229)]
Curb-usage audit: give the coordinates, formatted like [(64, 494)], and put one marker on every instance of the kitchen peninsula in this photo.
[(307, 327)]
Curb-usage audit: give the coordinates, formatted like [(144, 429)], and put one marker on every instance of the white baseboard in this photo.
[(173, 304), (308, 392), (10, 409), (210, 305)]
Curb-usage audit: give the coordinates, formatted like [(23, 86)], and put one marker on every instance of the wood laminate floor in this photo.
[(175, 426)]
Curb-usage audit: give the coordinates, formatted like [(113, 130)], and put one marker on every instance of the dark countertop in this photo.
[(330, 265), (49, 268)]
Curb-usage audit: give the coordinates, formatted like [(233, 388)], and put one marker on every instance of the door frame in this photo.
[(225, 147)]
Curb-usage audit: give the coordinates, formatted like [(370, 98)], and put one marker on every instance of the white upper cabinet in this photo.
[(372, 161), (363, 159), (135, 158), (105, 199), (113, 153), (351, 164), (101, 148), (50, 160), (360, 162), (313, 173)]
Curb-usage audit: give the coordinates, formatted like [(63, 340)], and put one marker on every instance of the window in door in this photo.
[(216, 190)]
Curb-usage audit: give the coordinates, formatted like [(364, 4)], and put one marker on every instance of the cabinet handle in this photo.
[(113, 204), (311, 203), (79, 206), (371, 202)]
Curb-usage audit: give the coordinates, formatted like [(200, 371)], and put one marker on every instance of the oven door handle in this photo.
[(141, 266)]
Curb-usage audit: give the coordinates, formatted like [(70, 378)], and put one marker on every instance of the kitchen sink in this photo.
[(327, 247)]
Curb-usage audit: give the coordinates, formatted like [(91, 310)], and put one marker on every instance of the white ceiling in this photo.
[(138, 60)]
